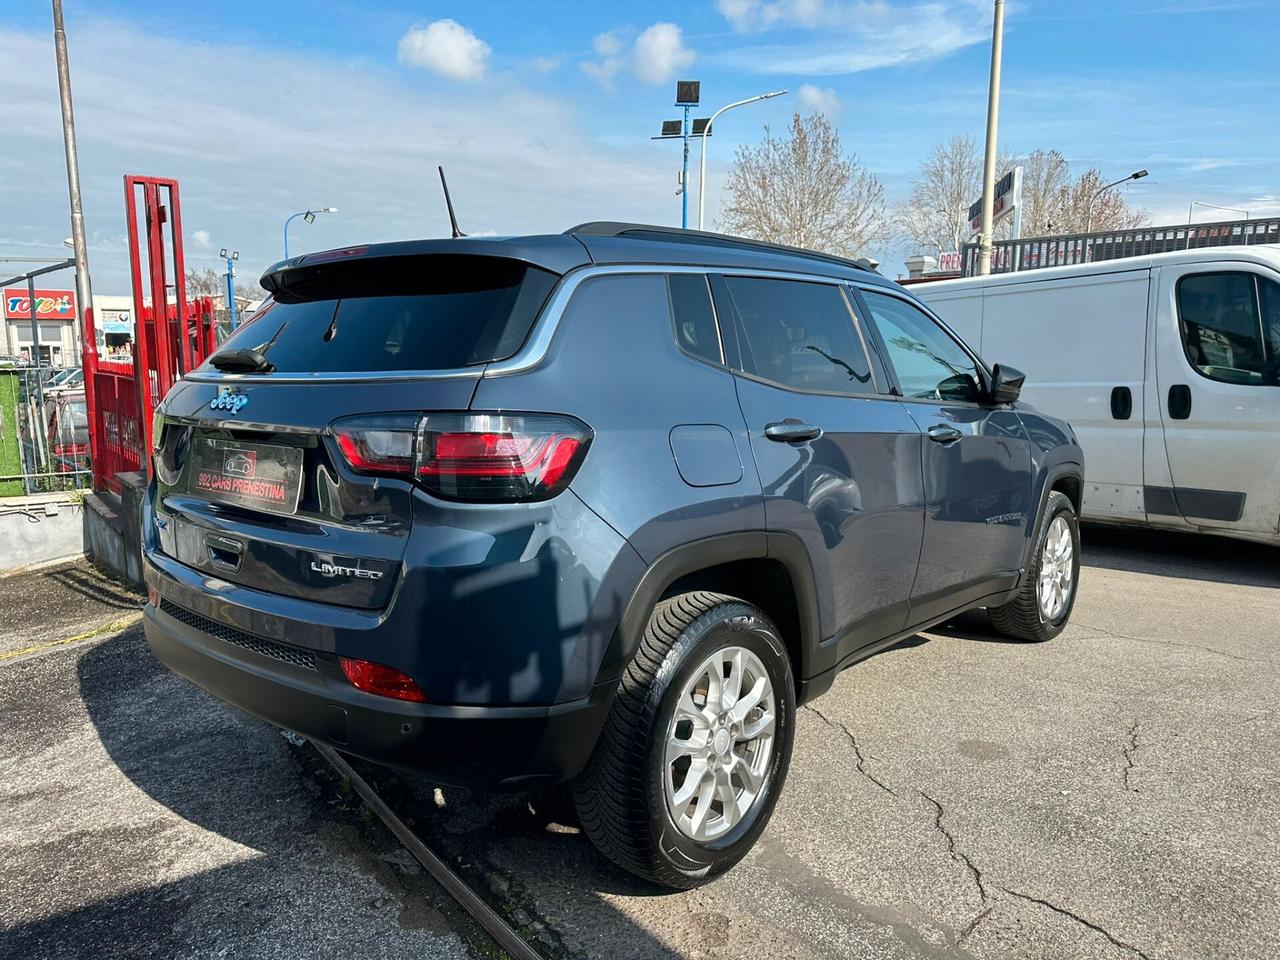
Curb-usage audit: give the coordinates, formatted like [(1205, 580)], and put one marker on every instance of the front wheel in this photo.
[(1048, 592), (697, 744)]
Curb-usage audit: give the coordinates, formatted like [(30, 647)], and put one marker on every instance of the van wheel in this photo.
[(1044, 601), (696, 747)]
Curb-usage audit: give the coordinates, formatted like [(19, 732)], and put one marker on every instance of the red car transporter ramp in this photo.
[(171, 336)]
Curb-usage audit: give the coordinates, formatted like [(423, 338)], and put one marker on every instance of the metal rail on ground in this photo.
[(506, 935)]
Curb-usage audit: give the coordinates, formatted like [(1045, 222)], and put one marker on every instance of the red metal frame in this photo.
[(170, 338)]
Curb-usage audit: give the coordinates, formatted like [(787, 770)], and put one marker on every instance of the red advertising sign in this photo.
[(50, 304)]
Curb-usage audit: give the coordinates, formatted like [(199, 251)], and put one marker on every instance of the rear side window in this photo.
[(1230, 325), (695, 322), (799, 335), (401, 313)]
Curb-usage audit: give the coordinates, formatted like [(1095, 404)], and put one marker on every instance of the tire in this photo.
[(625, 797), (1025, 616)]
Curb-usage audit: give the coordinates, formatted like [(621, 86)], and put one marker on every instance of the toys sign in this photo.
[(50, 304)]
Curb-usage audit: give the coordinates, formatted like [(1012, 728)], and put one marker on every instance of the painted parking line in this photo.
[(115, 626)]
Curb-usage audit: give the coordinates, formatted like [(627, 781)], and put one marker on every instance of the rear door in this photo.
[(1218, 386), (976, 462), (839, 461), (273, 479)]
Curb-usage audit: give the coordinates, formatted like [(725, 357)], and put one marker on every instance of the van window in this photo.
[(695, 321), (1230, 324), (798, 335), (397, 313), (929, 363)]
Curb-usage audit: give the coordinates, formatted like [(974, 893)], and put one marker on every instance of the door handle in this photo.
[(941, 433), (1121, 403), (1179, 401), (792, 431)]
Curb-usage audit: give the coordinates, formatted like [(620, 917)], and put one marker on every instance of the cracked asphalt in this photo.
[(1114, 793)]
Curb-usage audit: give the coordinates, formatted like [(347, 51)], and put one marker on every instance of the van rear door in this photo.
[(1218, 386)]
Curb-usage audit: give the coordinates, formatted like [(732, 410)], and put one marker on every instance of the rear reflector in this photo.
[(473, 457), (381, 680)]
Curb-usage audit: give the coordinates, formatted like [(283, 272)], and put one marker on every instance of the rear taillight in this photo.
[(382, 680), (473, 457)]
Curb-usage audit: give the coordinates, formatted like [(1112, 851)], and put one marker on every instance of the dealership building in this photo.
[(55, 325)]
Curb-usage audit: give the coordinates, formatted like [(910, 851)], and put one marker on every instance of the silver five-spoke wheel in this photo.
[(719, 743), (1057, 570)]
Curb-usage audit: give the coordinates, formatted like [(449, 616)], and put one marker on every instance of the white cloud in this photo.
[(367, 146), (657, 55), (544, 64), (445, 47), (830, 37), (201, 238), (660, 53), (819, 100), (752, 15)]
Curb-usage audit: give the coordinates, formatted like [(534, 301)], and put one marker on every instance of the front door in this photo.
[(1218, 383), (976, 462), (839, 460)]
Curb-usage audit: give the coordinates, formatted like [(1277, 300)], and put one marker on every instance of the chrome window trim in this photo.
[(535, 349)]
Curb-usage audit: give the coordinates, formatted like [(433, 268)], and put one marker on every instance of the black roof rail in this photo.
[(646, 231)]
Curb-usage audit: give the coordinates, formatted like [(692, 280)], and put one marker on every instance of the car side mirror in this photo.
[(1006, 383)]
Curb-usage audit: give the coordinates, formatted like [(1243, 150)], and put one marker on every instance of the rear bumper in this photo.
[(304, 691)]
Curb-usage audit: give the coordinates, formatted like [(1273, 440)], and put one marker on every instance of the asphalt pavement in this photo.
[(1112, 793)]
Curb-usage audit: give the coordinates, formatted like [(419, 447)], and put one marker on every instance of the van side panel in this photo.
[(1082, 343)]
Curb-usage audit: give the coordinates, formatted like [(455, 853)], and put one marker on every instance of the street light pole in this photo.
[(1088, 217), (231, 257), (706, 132), (309, 215), (993, 125), (84, 289)]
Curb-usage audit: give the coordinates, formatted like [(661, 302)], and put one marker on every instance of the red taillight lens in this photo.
[(475, 457), (382, 444), (381, 680)]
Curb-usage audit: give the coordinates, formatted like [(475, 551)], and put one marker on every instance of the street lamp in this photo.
[(309, 216), (1088, 218), (1214, 206), (231, 259), (706, 132)]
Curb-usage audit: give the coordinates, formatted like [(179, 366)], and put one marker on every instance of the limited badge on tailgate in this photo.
[(259, 475)]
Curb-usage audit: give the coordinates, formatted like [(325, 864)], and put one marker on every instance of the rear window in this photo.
[(402, 313)]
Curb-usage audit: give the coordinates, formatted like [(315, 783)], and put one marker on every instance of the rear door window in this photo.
[(398, 314), (1230, 326), (797, 334)]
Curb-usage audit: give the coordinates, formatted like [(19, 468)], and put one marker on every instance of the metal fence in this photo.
[(44, 432), (1010, 256)]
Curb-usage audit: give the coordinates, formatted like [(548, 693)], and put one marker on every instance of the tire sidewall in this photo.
[(1059, 506), (730, 624)]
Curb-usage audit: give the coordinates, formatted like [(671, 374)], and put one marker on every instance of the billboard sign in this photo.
[(50, 304), (951, 261), (1008, 196)]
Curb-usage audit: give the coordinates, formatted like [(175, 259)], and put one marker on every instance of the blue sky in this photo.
[(541, 112)]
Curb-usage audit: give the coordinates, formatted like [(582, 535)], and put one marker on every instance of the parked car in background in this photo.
[(1168, 367), (600, 507), (68, 431), (66, 379)]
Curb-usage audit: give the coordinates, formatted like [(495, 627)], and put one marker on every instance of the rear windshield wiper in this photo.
[(244, 360)]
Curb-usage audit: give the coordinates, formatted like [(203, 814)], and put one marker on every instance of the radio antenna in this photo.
[(453, 220)]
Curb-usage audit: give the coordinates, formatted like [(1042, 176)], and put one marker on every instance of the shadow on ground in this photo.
[(238, 778), (1184, 556)]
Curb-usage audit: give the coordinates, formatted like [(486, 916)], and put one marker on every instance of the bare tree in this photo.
[(205, 283), (1110, 210), (247, 293), (1045, 176), (936, 214), (803, 191)]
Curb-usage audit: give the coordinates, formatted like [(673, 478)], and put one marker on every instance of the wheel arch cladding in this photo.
[(769, 571)]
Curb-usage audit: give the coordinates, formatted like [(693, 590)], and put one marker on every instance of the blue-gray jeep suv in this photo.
[(601, 507)]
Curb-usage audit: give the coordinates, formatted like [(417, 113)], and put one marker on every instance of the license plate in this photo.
[(258, 475)]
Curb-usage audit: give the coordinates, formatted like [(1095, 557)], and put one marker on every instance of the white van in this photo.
[(1168, 368)]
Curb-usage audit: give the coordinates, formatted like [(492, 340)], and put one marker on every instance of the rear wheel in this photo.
[(697, 745), (1045, 598)]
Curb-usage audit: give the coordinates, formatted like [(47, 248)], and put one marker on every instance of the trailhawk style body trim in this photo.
[(466, 540)]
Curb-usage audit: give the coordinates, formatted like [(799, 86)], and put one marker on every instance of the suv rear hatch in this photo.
[(255, 486)]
